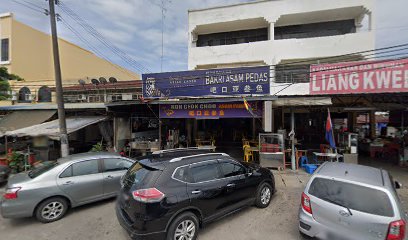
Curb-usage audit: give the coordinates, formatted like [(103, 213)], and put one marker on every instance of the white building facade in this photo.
[(281, 32)]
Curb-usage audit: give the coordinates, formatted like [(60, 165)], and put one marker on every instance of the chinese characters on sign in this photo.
[(359, 77), (210, 110), (214, 82)]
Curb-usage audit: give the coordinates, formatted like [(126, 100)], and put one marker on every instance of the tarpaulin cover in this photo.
[(51, 129), (21, 119)]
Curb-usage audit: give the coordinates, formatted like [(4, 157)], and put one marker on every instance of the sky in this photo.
[(135, 26)]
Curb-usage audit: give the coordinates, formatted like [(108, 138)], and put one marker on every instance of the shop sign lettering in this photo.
[(359, 77), (210, 110), (213, 82)]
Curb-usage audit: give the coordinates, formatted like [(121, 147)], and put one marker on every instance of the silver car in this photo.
[(49, 191), (348, 201)]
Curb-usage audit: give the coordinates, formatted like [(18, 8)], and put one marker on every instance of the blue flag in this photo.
[(329, 131)]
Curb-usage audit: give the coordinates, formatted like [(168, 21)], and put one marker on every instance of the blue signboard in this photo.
[(213, 82)]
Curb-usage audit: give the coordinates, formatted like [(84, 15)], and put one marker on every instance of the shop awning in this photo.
[(22, 119), (51, 129), (302, 101)]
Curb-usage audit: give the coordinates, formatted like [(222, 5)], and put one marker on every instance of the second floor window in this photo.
[(235, 37), (4, 54)]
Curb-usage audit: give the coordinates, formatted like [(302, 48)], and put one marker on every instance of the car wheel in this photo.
[(51, 210), (184, 227), (264, 195)]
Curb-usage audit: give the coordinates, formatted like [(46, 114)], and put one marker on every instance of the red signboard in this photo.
[(359, 77)]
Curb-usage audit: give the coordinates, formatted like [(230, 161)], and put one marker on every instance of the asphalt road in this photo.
[(98, 220)]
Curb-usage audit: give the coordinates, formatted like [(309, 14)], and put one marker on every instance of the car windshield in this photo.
[(44, 167), (352, 196)]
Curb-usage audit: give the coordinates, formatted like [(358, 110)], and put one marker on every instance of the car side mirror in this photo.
[(397, 185), (249, 172)]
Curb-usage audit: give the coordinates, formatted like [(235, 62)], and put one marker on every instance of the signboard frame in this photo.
[(242, 81)]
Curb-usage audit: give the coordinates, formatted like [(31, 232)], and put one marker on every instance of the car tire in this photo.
[(51, 210), (264, 195), (183, 222), (304, 236)]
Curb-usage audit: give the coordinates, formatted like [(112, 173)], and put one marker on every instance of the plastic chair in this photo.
[(303, 161), (248, 155)]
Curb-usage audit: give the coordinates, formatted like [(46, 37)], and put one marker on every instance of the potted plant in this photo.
[(97, 147), (15, 161)]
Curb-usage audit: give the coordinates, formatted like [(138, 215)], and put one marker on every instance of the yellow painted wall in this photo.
[(5, 32), (31, 57)]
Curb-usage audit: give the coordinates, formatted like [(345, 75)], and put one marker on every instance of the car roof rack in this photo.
[(198, 155), (177, 150)]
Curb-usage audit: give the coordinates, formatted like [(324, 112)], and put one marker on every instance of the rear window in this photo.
[(141, 176), (44, 167), (181, 174), (353, 196)]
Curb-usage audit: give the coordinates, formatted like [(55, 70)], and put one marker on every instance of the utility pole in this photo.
[(162, 36), (58, 81)]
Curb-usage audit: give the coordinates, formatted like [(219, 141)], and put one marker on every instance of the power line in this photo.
[(185, 88), (127, 58), (351, 55), (44, 11), (86, 42), (163, 8), (374, 56), (34, 5), (287, 85), (87, 27), (366, 70), (100, 38)]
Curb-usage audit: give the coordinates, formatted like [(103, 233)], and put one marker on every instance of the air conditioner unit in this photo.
[(82, 97), (127, 96)]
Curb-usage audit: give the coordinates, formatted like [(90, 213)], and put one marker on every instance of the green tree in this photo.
[(5, 76)]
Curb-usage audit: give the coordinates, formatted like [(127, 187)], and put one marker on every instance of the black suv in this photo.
[(171, 194)]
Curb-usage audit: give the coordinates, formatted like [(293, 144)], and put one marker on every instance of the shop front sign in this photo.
[(213, 82), (210, 110), (359, 77)]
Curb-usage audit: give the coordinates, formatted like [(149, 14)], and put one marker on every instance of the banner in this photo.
[(210, 110), (359, 77), (213, 82)]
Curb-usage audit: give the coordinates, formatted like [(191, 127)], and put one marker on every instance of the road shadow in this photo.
[(238, 214), (90, 206), (15, 222)]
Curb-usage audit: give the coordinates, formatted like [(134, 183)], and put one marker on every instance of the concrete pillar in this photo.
[(160, 134), (351, 121), (195, 129), (189, 132), (292, 139), (372, 125), (253, 128), (272, 80), (267, 116), (271, 31), (358, 22), (370, 21)]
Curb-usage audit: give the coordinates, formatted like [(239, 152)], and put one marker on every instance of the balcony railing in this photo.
[(100, 98)]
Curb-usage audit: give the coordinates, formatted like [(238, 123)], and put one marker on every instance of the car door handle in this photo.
[(231, 185), (109, 177), (68, 183), (196, 192)]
